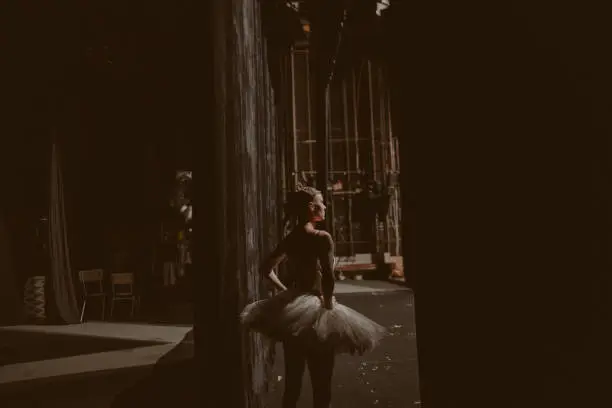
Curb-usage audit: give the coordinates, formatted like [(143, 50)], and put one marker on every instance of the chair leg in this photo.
[(133, 306), (112, 307), (83, 309), (103, 307)]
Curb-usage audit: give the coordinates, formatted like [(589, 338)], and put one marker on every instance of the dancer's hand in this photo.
[(328, 303)]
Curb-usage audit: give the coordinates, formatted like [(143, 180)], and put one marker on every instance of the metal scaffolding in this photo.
[(361, 145)]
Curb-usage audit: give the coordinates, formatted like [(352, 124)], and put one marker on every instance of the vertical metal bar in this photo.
[(320, 79), (294, 124), (322, 138), (390, 130), (282, 120), (393, 138), (328, 132), (355, 119), (384, 145), (349, 198), (328, 124), (309, 97), (396, 147), (384, 118), (396, 215), (375, 171), (372, 124), (380, 95), (395, 169)]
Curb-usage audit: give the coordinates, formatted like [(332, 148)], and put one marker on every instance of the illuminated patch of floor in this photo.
[(45, 352)]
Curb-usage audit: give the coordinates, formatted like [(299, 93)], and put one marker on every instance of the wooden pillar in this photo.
[(235, 201), (505, 148)]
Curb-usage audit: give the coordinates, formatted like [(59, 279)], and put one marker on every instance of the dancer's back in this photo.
[(304, 249), (310, 308)]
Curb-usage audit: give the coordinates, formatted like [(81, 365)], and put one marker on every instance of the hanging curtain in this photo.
[(61, 273), (10, 303)]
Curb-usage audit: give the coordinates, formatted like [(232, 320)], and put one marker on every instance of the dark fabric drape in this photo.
[(10, 303), (61, 272), (505, 147)]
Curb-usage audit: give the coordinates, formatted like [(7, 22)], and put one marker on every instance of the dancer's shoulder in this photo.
[(325, 237), (322, 233)]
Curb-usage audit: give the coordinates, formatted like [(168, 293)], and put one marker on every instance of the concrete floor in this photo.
[(385, 377), (137, 345), (19, 347)]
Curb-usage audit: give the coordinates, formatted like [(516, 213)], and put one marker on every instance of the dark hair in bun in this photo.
[(296, 207)]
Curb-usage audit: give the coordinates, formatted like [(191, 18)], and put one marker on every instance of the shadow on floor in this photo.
[(172, 379), (25, 346), (385, 377)]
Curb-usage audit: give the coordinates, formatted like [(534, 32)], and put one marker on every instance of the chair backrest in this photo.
[(92, 279), (122, 284)]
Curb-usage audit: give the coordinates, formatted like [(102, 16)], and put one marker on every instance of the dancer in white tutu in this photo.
[(306, 318)]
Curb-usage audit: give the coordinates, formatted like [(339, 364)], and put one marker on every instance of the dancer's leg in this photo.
[(321, 368), (295, 363)]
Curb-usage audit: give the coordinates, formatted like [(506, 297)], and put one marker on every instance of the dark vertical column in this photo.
[(318, 91), (10, 301), (325, 19), (236, 200), (505, 148), (284, 122), (207, 212), (398, 81)]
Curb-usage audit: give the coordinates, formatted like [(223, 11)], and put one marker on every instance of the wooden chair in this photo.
[(122, 285), (338, 272), (93, 287)]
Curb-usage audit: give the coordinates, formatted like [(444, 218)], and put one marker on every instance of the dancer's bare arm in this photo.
[(271, 262), (326, 258)]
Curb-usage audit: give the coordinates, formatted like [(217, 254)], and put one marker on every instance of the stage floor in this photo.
[(36, 353), (45, 352)]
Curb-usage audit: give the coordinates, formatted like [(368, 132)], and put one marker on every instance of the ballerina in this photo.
[(306, 318)]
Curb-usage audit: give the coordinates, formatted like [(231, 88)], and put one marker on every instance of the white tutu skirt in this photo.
[(302, 315)]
